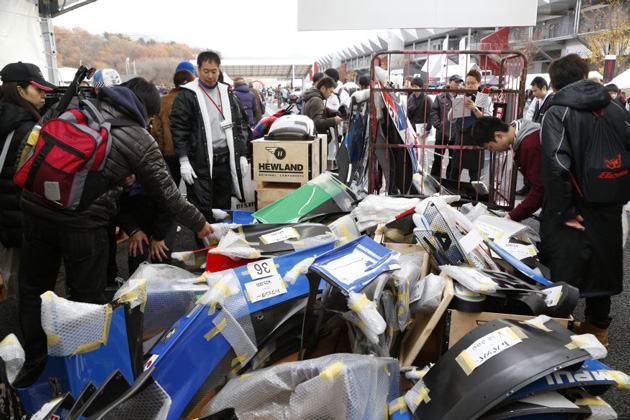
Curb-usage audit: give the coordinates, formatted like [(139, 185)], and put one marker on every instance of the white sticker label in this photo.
[(519, 251), (350, 267), (265, 288), (261, 269), (470, 241), (150, 362), (280, 235), (490, 345), (552, 295), (489, 230), (42, 413)]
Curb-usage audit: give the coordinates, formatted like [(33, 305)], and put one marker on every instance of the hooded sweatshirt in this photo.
[(315, 109), (527, 157)]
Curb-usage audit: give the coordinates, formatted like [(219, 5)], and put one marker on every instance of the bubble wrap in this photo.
[(600, 409), (236, 303), (375, 209), (472, 279), (402, 302), (590, 344), (234, 245), (472, 212), (171, 293), (219, 292), (298, 269), (357, 340), (338, 386), (219, 230), (430, 290), (234, 334), (345, 227), (191, 259), (367, 312), (74, 327), (12, 354), (151, 403), (133, 292), (417, 395), (307, 243), (404, 279)]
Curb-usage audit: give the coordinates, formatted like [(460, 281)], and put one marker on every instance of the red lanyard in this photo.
[(218, 107)]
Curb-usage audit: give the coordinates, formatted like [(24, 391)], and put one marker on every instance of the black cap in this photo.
[(25, 72), (455, 78), (613, 88)]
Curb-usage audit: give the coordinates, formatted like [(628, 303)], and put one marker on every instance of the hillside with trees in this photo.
[(155, 61)]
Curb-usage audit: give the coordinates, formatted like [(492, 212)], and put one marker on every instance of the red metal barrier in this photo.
[(397, 153)]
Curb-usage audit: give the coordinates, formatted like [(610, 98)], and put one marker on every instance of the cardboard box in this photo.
[(267, 193), (423, 326), (458, 323), (293, 161)]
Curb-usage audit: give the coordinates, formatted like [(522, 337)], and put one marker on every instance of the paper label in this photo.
[(350, 267), (280, 235), (470, 241), (265, 288), (489, 230), (261, 269), (552, 295), (477, 275), (42, 413), (416, 292), (490, 345), (519, 251)]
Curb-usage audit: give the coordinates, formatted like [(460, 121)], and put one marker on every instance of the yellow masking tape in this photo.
[(397, 405), (200, 279), (108, 321), (238, 360), (360, 304), (9, 340), (86, 348), (517, 333), (245, 375), (223, 287), (48, 296), (540, 326), (216, 330), (466, 362), (590, 401), (423, 395), (618, 377), (577, 343), (386, 370), (332, 371), (193, 310), (52, 339)]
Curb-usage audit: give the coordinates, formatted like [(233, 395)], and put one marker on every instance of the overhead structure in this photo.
[(278, 69), (316, 16)]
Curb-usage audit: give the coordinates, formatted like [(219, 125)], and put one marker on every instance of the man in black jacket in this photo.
[(419, 106), (445, 133), (582, 241), (80, 237), (210, 134)]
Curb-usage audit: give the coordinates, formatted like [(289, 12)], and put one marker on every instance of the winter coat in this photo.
[(133, 151), (315, 109), (444, 130), (139, 211), (418, 109), (261, 107), (192, 136), (17, 119), (161, 130), (527, 158), (248, 99), (591, 259)]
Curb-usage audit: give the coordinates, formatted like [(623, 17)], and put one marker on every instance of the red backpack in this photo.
[(64, 169)]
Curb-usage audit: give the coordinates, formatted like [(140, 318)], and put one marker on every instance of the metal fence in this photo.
[(436, 155)]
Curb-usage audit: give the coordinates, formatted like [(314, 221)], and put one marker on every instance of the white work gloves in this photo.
[(188, 174), (244, 167)]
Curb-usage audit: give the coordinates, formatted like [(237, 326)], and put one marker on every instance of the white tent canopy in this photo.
[(623, 80)]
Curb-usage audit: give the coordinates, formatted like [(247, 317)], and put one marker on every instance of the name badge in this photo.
[(226, 125)]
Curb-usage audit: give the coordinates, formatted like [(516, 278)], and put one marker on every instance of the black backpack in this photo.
[(606, 166)]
